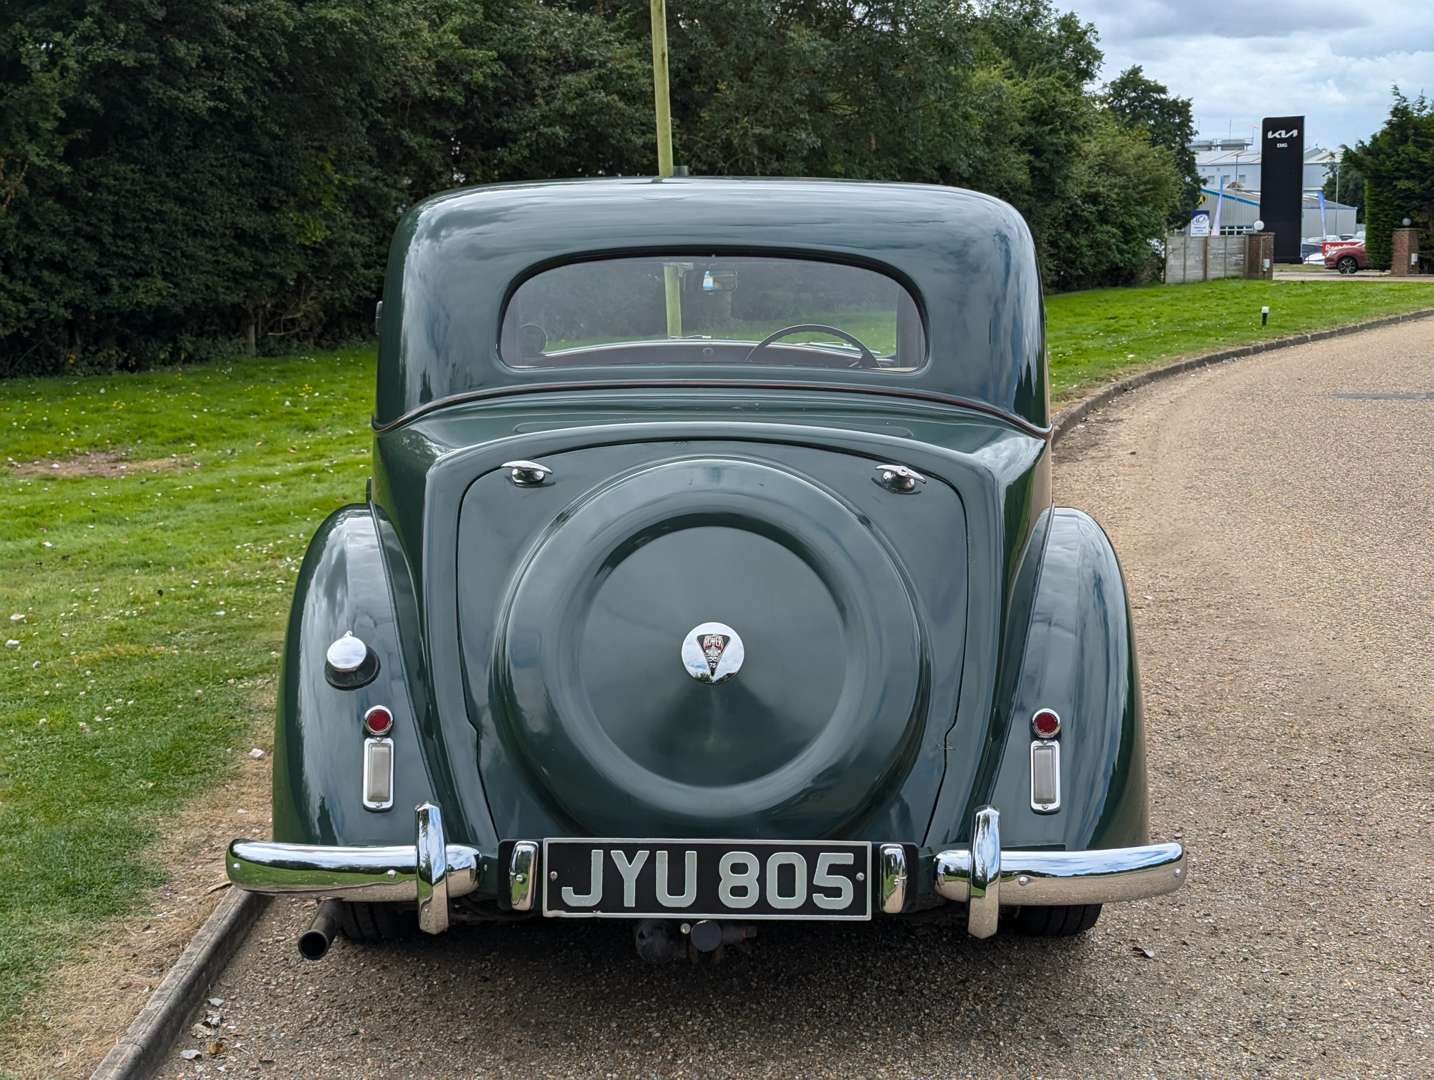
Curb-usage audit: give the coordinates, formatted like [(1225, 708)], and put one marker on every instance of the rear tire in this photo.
[(1054, 921), (370, 924)]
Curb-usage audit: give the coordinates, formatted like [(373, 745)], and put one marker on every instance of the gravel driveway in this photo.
[(1275, 518)]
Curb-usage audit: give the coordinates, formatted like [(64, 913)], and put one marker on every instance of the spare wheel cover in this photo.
[(819, 722)]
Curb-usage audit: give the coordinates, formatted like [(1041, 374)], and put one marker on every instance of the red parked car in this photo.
[(1348, 257)]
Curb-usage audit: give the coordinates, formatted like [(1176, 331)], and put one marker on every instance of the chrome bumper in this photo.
[(985, 877), (429, 871), (432, 871)]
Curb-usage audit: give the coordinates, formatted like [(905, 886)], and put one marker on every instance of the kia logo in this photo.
[(1282, 134)]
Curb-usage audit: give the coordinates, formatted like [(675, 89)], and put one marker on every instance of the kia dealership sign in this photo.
[(1282, 169)]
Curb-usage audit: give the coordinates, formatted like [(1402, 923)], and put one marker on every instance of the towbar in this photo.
[(984, 877), (429, 871)]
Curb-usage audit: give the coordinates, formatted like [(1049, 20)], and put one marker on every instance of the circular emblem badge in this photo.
[(712, 652)]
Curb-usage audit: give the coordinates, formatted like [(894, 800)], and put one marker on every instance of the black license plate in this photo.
[(707, 879)]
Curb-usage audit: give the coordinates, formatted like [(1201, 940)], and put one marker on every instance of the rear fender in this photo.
[(344, 585), (1078, 659)]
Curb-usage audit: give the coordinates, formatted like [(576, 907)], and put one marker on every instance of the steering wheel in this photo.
[(866, 360)]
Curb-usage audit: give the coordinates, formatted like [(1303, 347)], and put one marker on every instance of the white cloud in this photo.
[(1145, 19), (1241, 61)]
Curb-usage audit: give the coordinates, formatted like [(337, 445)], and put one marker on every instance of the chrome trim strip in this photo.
[(893, 879), (393, 873), (372, 749), (522, 866), (1052, 748)]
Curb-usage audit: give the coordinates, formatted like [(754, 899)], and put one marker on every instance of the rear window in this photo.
[(717, 310)]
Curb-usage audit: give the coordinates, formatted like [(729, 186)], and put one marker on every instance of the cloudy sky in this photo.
[(1241, 60)]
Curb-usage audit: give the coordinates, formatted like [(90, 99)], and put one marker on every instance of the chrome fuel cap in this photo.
[(349, 663)]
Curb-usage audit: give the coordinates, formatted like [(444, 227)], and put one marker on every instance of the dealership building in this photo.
[(1236, 164), (1240, 210), (1237, 161)]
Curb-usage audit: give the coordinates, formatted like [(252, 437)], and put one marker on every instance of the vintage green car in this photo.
[(708, 574)]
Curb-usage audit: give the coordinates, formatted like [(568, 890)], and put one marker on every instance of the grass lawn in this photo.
[(147, 603), (150, 604), (1098, 335)]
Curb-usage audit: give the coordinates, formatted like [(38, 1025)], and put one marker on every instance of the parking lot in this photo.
[(1320, 273)]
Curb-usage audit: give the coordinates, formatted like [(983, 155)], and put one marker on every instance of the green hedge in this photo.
[(1398, 162), (1379, 222), (178, 179)]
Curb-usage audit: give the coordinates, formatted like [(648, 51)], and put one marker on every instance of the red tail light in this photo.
[(378, 721), (1046, 724)]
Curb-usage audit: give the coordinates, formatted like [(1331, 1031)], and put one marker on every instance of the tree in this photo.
[(991, 97), (178, 179), (1398, 165), (1145, 105), (1122, 191), (1345, 184)]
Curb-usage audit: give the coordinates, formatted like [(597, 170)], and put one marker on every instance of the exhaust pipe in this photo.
[(315, 941), (661, 940), (709, 935)]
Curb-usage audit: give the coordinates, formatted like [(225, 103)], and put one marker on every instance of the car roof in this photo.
[(967, 257)]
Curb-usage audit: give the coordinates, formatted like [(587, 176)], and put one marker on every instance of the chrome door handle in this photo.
[(527, 473), (899, 478)]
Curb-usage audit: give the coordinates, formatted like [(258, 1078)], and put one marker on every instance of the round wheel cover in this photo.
[(627, 739)]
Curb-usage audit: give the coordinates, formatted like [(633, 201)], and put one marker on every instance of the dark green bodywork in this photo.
[(967, 258), (897, 644)]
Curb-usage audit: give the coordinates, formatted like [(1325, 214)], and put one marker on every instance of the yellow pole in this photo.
[(663, 107), (659, 87)]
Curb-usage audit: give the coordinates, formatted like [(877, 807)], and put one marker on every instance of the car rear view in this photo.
[(710, 577)]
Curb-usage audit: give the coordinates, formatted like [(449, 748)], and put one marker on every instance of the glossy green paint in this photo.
[(967, 257), (577, 682), (529, 637), (345, 584), (1045, 622)]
